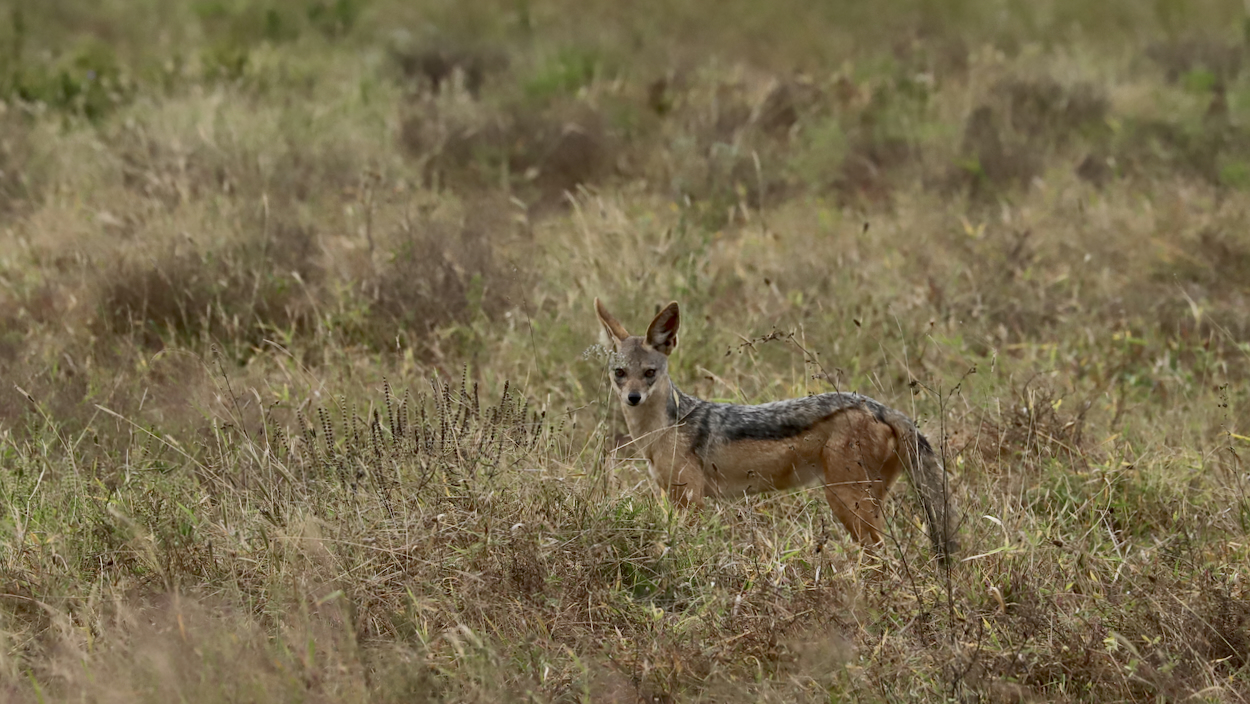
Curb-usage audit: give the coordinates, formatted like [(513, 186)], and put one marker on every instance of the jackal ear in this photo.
[(616, 332), (662, 333)]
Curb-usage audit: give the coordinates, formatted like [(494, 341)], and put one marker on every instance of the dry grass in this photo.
[(303, 400)]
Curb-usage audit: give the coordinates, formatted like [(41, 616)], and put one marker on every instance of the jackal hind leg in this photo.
[(856, 460)]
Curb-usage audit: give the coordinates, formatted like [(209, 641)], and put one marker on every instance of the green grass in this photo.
[(303, 398)]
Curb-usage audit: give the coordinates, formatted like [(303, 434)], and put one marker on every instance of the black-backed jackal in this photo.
[(853, 445)]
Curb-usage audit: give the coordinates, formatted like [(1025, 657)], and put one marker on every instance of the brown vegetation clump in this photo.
[(1006, 140), (1181, 57), (434, 68), (243, 292), (1212, 267), (14, 175), (438, 274), (866, 169), (1044, 109), (561, 151), (541, 153), (1033, 429), (881, 153)]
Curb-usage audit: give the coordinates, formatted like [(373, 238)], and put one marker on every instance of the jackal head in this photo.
[(639, 365)]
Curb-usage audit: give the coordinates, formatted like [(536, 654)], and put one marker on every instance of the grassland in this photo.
[(302, 398)]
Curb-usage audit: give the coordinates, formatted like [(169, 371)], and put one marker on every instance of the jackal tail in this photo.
[(931, 483)]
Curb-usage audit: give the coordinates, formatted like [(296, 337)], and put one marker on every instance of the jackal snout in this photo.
[(635, 374)]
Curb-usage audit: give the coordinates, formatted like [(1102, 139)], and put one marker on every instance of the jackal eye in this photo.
[(620, 373), (650, 373)]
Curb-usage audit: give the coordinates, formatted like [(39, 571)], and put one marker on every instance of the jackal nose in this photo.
[(634, 398)]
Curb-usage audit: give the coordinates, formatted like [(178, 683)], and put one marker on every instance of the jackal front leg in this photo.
[(684, 483)]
